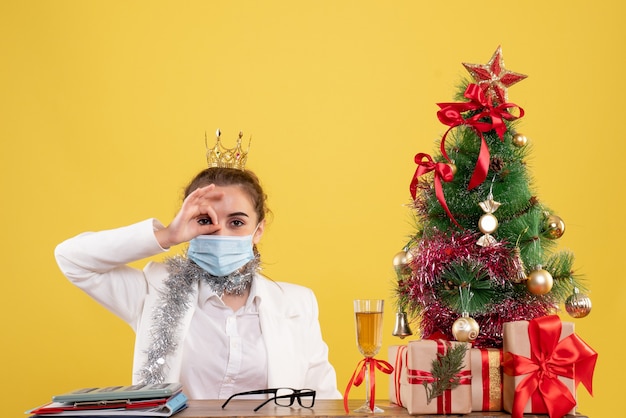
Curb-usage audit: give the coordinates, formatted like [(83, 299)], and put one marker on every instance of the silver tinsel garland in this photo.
[(175, 302)]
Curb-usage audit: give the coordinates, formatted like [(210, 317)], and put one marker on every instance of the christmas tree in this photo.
[(483, 252)]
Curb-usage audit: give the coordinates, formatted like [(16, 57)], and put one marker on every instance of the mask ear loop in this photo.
[(255, 230), (254, 247)]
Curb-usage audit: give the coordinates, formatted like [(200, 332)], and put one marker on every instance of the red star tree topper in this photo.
[(493, 78)]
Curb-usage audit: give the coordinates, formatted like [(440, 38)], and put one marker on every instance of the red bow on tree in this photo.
[(486, 118), (442, 172), (550, 358)]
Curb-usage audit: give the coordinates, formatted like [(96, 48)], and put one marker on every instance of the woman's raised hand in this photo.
[(195, 217)]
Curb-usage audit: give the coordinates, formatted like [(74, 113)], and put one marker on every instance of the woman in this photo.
[(208, 320)]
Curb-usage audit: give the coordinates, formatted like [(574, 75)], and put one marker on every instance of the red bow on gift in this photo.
[(571, 357), (486, 118), (442, 172), (359, 375)]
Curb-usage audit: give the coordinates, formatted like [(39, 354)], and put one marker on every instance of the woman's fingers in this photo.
[(196, 216), (203, 196), (199, 204)]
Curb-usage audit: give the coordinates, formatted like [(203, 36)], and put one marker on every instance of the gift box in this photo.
[(543, 362), (414, 385), (486, 368)]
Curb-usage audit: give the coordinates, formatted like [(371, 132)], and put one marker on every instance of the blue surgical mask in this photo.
[(221, 255)]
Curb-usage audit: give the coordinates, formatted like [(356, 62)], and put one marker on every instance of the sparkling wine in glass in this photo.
[(369, 338)]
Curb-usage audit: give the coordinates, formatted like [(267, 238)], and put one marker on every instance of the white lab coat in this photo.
[(97, 262)]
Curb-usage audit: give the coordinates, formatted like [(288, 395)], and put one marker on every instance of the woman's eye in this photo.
[(237, 222), (205, 221)]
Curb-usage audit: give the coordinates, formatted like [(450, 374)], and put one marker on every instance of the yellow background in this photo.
[(104, 106)]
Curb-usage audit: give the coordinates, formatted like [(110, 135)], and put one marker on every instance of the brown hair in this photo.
[(222, 176)]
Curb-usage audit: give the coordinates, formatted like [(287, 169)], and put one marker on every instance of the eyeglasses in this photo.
[(282, 397)]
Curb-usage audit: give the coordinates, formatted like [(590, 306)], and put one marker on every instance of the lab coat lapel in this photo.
[(276, 320)]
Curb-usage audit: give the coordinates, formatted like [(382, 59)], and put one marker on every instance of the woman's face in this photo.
[(235, 213)]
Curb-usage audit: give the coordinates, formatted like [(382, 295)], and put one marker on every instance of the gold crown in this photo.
[(219, 156)]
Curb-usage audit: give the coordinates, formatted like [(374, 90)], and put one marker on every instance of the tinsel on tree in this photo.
[(484, 248)]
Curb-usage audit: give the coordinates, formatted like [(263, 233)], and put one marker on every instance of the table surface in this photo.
[(244, 408)]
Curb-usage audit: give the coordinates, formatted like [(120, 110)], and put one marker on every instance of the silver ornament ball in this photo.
[(578, 305)]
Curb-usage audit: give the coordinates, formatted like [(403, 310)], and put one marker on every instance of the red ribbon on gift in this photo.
[(400, 361), (486, 379), (486, 119), (442, 172), (359, 375), (444, 402), (549, 358)]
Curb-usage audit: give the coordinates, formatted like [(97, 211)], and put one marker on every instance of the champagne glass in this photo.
[(369, 338)]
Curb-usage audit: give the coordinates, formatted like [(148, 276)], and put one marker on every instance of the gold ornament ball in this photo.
[(539, 282), (578, 306), (401, 262), (519, 140), (554, 227), (488, 223), (465, 329)]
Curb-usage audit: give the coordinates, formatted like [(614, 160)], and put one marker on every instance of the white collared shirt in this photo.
[(224, 352)]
